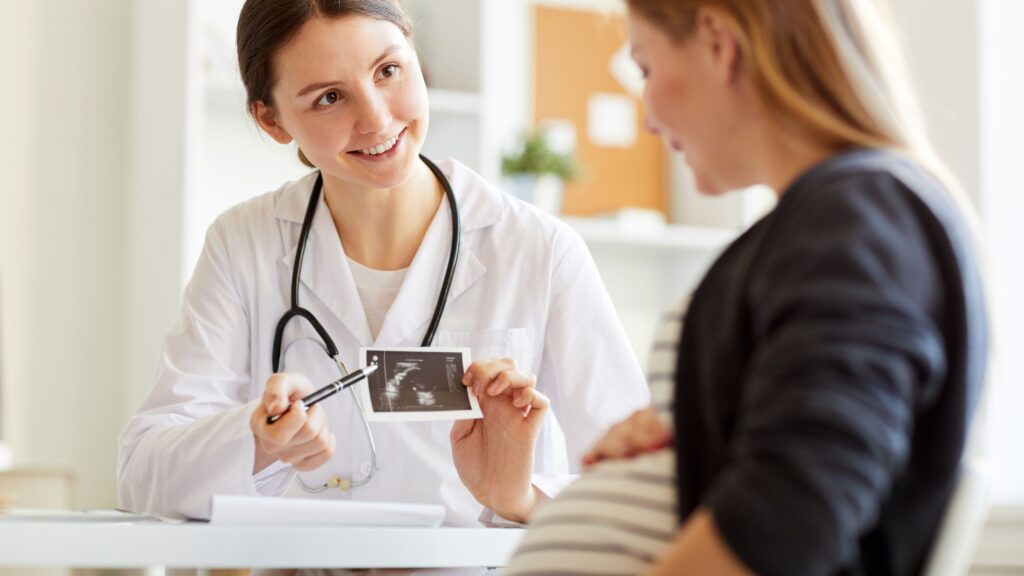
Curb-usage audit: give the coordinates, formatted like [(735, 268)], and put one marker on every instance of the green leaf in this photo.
[(535, 157)]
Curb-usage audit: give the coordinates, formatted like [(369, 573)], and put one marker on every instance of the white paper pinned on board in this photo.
[(611, 120)]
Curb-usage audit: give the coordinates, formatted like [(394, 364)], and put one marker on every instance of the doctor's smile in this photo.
[(381, 152)]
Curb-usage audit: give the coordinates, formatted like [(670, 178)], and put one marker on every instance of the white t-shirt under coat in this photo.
[(377, 291)]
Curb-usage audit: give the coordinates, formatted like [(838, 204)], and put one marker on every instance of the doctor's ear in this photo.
[(267, 120)]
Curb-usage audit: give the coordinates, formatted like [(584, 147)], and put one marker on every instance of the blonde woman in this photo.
[(826, 373)]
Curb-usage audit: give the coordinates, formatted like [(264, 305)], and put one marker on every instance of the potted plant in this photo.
[(536, 173)]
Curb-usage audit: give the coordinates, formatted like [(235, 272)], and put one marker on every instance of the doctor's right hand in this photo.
[(301, 437)]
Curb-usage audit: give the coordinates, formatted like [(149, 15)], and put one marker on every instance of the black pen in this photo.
[(330, 390)]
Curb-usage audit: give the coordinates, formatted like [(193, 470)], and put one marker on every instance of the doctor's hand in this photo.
[(301, 437), (494, 455), (642, 432)]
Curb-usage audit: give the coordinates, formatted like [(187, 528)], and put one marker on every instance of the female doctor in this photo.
[(341, 79)]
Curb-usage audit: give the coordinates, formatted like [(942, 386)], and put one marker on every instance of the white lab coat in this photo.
[(525, 287)]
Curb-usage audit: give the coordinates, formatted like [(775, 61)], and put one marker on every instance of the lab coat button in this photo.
[(364, 468)]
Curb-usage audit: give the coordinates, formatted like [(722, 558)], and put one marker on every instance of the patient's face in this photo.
[(687, 100)]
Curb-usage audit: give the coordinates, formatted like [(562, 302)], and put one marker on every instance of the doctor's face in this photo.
[(350, 92)]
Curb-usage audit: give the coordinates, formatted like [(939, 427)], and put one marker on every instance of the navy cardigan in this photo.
[(828, 369)]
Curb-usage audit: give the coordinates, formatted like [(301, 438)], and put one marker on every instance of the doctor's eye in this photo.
[(387, 71), (328, 98)]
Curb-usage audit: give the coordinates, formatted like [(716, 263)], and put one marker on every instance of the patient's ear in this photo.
[(718, 34), (267, 120)]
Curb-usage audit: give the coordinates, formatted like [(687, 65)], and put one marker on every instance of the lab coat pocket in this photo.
[(513, 343)]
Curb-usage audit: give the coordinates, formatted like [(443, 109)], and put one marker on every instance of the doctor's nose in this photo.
[(374, 114)]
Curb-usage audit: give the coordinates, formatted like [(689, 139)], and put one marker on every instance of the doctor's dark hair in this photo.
[(265, 26)]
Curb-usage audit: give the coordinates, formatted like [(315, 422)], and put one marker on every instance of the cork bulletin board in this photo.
[(571, 67)]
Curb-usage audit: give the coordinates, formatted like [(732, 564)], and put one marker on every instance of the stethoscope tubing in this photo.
[(307, 224), (329, 346)]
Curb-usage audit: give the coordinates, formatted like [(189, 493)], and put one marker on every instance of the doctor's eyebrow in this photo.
[(321, 85)]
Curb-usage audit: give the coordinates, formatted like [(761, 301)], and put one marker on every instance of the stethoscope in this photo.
[(327, 343)]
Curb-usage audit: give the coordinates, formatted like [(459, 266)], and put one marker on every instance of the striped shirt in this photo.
[(620, 515)]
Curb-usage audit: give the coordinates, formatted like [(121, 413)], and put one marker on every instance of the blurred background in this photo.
[(125, 134)]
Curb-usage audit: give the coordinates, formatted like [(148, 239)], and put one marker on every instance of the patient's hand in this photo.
[(640, 433), (494, 455)]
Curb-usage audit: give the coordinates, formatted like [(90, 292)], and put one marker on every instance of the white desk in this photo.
[(138, 544)]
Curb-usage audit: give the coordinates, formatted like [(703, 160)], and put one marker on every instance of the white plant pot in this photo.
[(544, 191)]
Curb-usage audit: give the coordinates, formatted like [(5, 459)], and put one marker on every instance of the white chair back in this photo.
[(962, 524)]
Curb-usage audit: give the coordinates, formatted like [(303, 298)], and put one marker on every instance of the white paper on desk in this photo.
[(228, 509)]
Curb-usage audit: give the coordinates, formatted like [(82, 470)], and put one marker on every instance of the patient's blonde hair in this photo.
[(833, 69)]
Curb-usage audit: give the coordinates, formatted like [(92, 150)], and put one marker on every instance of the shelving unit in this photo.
[(475, 66), (455, 102), (598, 233)]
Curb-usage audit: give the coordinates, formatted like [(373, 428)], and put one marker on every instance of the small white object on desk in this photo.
[(638, 219)]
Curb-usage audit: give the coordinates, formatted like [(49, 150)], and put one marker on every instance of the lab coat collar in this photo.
[(325, 270), (327, 274), (290, 201), (414, 305)]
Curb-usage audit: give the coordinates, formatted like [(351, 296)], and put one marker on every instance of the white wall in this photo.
[(966, 60), (1002, 208), (16, 150), (160, 167), (63, 250), (238, 162), (941, 42)]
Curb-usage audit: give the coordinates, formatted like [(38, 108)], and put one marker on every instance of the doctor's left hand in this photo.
[(494, 455)]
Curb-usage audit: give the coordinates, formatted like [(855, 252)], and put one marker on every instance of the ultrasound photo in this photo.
[(418, 384)]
